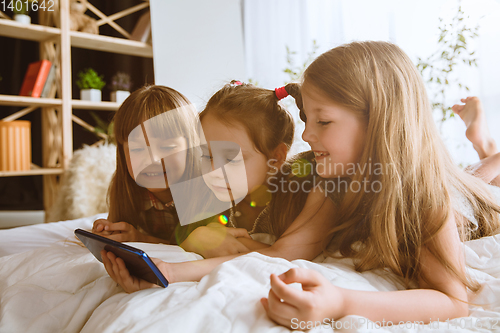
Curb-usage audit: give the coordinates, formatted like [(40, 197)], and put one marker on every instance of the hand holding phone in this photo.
[(136, 261)]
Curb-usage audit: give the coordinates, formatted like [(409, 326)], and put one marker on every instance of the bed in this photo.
[(50, 284)]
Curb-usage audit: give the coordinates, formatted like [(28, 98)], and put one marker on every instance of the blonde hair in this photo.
[(125, 197), (378, 82)]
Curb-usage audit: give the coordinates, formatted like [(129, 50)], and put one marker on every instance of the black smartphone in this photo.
[(137, 261)]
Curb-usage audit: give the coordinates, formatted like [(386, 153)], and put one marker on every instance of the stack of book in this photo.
[(39, 79)]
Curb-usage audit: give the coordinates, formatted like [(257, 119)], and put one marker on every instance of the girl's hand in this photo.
[(99, 225), (118, 231), (119, 273), (215, 240), (235, 232), (318, 299)]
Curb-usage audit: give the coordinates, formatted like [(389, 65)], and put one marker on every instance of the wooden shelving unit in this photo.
[(35, 171), (110, 44), (34, 32), (40, 33), (28, 101), (57, 113)]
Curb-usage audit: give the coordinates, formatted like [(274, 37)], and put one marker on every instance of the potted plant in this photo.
[(120, 86), (21, 9), (90, 84)]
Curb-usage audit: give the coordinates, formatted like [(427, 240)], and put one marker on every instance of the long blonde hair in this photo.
[(379, 83), (125, 197)]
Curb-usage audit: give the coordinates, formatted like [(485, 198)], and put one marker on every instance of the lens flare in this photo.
[(223, 219), (301, 168)]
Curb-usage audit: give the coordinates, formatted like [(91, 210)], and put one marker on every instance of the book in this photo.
[(142, 29), (49, 82), (35, 78)]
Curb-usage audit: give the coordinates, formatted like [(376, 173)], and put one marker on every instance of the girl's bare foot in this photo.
[(487, 169), (472, 114)]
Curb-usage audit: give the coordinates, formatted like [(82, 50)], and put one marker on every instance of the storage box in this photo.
[(15, 145)]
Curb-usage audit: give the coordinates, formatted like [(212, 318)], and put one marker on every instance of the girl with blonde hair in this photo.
[(365, 103)]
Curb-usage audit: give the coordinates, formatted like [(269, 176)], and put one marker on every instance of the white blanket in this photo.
[(17, 240), (63, 288)]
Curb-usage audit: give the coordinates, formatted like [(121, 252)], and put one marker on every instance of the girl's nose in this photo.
[(217, 173), (155, 157), (157, 161), (308, 135)]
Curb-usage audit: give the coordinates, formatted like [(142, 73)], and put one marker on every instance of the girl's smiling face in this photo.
[(245, 170), (144, 161), (335, 134)]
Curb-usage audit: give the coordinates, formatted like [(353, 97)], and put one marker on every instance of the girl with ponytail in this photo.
[(254, 119)]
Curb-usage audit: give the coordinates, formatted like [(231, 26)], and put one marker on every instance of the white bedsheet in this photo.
[(36, 236), (63, 288)]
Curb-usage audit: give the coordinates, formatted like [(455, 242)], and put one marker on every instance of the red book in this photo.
[(35, 78)]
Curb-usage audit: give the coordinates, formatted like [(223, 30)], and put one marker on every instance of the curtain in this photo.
[(271, 26)]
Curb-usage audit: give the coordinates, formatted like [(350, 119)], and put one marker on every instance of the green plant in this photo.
[(295, 71), (453, 48), (103, 127), (89, 79), (121, 81), (253, 82), (22, 7)]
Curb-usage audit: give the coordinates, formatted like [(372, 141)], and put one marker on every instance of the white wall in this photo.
[(197, 45)]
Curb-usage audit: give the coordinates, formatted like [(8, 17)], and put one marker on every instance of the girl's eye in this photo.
[(136, 150), (324, 123), (207, 157)]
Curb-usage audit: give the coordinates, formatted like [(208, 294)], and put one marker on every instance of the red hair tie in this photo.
[(237, 83), (281, 93)]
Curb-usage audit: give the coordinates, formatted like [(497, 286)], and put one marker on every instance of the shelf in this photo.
[(33, 32), (32, 172), (82, 40), (111, 44), (100, 106), (12, 100)]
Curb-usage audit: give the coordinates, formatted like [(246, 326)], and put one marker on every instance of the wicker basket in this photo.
[(15, 145)]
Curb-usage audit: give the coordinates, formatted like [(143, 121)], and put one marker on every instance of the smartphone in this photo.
[(137, 261)]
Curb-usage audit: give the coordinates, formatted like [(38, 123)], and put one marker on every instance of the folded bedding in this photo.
[(63, 288)]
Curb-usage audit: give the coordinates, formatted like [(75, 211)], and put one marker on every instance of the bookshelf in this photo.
[(56, 44)]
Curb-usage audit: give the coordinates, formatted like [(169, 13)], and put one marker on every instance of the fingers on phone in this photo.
[(107, 264)]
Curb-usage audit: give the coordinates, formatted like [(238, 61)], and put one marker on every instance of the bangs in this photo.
[(164, 112), (173, 123)]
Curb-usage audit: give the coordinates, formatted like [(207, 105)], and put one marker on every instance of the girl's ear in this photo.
[(279, 155)]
